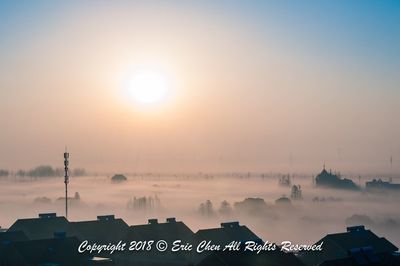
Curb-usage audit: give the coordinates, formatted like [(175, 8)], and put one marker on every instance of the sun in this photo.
[(148, 87)]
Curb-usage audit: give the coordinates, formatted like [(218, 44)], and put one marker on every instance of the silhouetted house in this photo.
[(56, 251), (103, 230), (365, 258), (9, 255), (169, 231), (267, 258), (13, 236), (225, 234), (329, 180), (357, 244), (222, 236), (118, 178), (43, 227), (6, 247), (380, 185)]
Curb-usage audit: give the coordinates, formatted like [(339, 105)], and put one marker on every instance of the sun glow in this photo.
[(148, 87)]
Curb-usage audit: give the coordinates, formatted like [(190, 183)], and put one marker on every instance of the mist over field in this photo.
[(208, 112), (320, 212)]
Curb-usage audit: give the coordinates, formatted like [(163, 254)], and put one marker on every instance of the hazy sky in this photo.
[(253, 85)]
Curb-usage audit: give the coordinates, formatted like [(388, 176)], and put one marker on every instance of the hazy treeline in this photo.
[(206, 202), (42, 171), (4, 172)]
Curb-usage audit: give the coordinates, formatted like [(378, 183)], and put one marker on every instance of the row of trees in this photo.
[(4, 172), (144, 203), (206, 208), (249, 206), (42, 171)]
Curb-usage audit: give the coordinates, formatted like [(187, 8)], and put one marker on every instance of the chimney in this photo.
[(105, 217), (171, 220), (153, 221), (358, 228), (230, 225), (47, 215), (60, 235)]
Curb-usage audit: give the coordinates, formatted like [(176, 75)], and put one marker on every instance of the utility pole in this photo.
[(66, 180)]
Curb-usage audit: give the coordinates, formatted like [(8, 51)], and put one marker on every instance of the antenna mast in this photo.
[(66, 180)]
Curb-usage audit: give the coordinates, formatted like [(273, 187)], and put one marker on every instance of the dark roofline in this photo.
[(39, 219), (99, 221), (236, 225), (156, 224)]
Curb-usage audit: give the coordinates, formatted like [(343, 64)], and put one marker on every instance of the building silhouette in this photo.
[(378, 185), (105, 229), (13, 236), (329, 180), (223, 235), (53, 251), (270, 258), (169, 231), (50, 240), (42, 227), (357, 246), (228, 232)]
